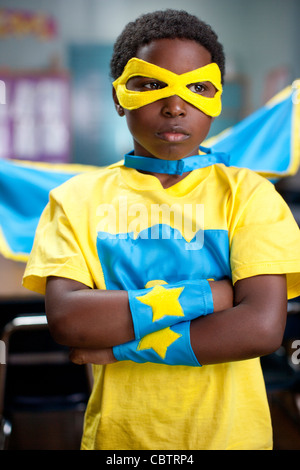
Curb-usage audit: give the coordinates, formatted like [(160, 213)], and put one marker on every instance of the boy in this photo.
[(135, 260)]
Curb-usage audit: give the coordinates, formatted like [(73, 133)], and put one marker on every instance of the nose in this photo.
[(174, 106)]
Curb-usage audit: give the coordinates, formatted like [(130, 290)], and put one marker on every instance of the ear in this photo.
[(118, 107)]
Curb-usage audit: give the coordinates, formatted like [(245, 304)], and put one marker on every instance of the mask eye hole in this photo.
[(144, 84), (206, 89)]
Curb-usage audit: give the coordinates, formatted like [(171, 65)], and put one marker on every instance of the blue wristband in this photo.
[(170, 346), (161, 306)]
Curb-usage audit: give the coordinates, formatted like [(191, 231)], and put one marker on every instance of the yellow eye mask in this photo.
[(175, 85)]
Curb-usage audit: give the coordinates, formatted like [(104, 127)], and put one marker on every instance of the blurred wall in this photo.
[(258, 36)]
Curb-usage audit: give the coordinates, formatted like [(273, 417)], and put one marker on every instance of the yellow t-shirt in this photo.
[(117, 228)]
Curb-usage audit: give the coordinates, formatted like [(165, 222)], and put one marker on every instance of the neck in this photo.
[(166, 180)]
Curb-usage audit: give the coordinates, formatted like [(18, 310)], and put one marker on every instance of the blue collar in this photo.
[(175, 167)]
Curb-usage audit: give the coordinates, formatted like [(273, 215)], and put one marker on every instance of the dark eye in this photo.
[(197, 88), (154, 85), (144, 84), (203, 88)]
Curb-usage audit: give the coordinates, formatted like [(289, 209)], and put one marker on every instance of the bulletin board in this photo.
[(35, 117)]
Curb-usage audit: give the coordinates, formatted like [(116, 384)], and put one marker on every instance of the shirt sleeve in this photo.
[(266, 239), (56, 250)]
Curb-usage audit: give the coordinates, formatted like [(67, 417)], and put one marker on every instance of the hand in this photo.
[(92, 356)]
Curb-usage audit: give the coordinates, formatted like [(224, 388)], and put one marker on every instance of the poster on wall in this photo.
[(35, 119), (20, 23)]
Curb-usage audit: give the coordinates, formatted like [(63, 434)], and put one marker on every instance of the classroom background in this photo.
[(56, 109)]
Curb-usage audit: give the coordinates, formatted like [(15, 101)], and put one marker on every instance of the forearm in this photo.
[(84, 318), (212, 341), (233, 335), (254, 327), (80, 317)]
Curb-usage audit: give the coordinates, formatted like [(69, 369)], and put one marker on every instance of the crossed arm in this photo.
[(248, 321)]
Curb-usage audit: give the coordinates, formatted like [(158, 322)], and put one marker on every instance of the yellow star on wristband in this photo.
[(159, 341), (163, 302)]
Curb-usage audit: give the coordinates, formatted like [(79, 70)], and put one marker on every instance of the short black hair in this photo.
[(165, 24)]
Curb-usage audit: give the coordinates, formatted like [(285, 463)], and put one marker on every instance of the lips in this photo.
[(173, 134)]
